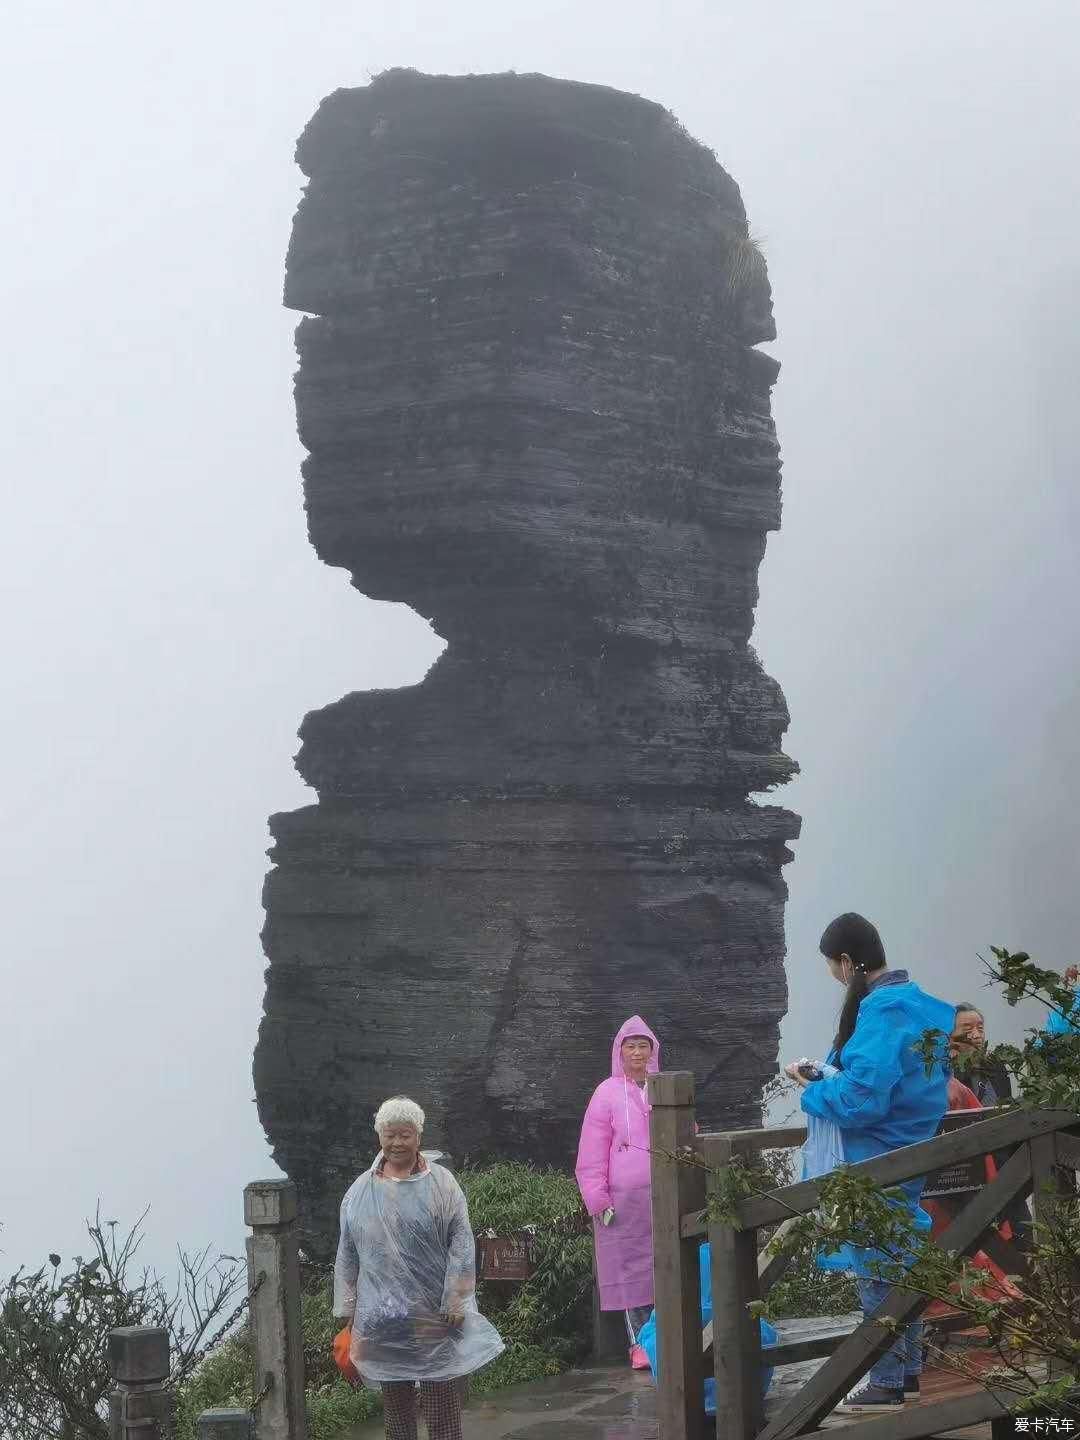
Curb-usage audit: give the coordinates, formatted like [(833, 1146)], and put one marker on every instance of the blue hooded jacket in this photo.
[(883, 1098), (1060, 1025)]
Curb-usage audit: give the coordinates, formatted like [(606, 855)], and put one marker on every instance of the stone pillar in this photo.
[(140, 1408), (272, 1252), (225, 1425)]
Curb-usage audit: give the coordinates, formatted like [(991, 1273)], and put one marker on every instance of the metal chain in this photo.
[(268, 1385), (200, 1355)]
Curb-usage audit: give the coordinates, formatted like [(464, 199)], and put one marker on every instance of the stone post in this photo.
[(140, 1408), (225, 1425), (272, 1253)]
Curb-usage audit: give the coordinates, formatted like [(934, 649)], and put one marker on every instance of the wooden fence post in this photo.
[(274, 1275), (224, 1425), (677, 1188), (140, 1408), (736, 1334)]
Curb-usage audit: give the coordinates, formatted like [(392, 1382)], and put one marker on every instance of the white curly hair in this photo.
[(399, 1110)]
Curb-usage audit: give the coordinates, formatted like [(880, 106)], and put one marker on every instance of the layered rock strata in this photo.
[(534, 412)]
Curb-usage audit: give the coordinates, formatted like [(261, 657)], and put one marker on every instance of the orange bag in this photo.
[(342, 1341)]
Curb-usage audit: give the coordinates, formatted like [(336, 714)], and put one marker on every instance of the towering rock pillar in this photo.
[(533, 412)]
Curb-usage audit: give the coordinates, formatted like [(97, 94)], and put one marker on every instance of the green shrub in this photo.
[(332, 1409), (55, 1321), (222, 1382), (803, 1289), (319, 1327), (546, 1322)]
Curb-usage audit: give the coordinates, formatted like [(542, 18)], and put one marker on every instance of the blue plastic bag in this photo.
[(821, 1155), (647, 1335), (824, 1149)]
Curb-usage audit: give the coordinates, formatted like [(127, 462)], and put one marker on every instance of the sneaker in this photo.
[(870, 1399), (638, 1359), (911, 1384)]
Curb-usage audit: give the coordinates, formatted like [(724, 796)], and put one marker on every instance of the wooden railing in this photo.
[(743, 1272)]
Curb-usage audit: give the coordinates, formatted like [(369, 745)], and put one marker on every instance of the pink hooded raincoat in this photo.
[(613, 1169)]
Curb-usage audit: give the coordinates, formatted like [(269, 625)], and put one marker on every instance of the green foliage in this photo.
[(55, 1322), (544, 1323), (319, 1329), (333, 1409), (511, 1195), (1021, 978), (519, 1362), (222, 1382), (804, 1289)]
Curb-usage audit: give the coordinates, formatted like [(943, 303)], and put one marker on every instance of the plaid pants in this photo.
[(440, 1404)]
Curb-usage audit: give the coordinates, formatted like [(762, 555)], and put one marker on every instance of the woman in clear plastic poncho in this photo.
[(405, 1279)]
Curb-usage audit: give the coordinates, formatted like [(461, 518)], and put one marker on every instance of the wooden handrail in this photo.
[(790, 1137), (1045, 1144), (752, 1142), (983, 1137), (851, 1359)]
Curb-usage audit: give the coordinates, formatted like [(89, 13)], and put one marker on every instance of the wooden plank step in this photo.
[(813, 1345), (804, 1339)]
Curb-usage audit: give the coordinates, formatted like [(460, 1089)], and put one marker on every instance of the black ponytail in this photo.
[(854, 936), (849, 1012)]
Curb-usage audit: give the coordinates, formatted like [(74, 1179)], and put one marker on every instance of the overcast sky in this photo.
[(911, 170)]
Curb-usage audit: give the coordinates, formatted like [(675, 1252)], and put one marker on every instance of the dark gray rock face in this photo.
[(533, 413)]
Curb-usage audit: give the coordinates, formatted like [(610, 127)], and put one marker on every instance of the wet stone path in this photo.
[(613, 1402), (595, 1403)]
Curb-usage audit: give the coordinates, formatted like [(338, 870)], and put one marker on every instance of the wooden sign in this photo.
[(961, 1179), (505, 1257)]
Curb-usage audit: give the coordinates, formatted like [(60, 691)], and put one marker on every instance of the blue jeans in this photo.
[(905, 1356)]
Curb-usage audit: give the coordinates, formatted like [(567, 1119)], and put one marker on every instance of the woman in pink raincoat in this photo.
[(614, 1177)]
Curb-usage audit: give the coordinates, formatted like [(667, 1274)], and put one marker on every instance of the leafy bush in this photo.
[(546, 1322), (55, 1322), (333, 1409), (222, 1382), (803, 1289)]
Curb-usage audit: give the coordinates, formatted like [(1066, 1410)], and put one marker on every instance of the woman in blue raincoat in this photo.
[(880, 1099)]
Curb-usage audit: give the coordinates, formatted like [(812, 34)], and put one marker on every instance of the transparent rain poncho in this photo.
[(407, 1256)]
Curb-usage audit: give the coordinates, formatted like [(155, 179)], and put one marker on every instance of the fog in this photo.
[(911, 171)]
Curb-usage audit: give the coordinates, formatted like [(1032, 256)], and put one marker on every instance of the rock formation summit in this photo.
[(534, 412)]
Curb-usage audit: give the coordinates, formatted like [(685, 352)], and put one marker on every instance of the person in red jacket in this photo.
[(963, 1098)]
